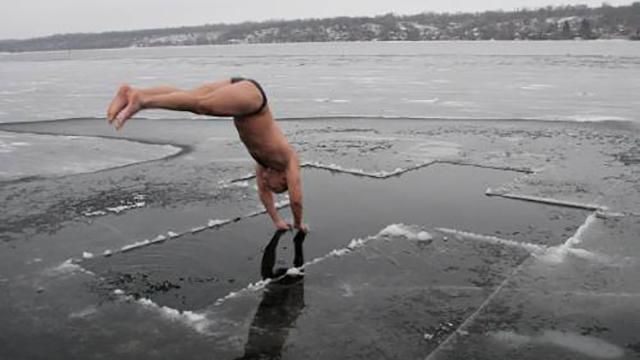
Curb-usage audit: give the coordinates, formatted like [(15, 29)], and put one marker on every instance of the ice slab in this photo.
[(526, 324), (580, 307), (28, 155)]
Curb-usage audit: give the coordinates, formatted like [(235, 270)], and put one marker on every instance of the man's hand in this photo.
[(282, 225), (125, 104), (302, 227), (119, 102)]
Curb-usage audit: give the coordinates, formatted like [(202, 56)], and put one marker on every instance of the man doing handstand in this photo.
[(278, 166)]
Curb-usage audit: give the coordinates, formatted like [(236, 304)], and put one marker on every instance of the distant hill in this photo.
[(550, 23)]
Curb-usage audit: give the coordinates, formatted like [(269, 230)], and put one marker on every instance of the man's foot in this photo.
[(118, 102), (133, 106)]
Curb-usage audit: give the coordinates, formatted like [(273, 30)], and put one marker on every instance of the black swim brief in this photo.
[(257, 85)]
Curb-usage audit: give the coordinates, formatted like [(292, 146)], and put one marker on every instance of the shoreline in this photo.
[(133, 47)]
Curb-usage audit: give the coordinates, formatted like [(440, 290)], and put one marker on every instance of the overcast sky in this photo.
[(30, 18)]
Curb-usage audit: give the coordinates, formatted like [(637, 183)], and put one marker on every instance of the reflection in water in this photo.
[(282, 303)]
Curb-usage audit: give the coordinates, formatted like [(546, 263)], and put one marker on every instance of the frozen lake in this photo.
[(466, 200), (572, 80)]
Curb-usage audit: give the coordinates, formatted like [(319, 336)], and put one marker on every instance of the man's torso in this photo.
[(264, 140)]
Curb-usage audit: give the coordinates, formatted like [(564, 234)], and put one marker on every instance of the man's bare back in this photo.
[(278, 166)]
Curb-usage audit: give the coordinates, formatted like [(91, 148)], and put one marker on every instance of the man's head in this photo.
[(275, 181)]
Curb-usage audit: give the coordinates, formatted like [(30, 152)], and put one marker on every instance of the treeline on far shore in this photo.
[(549, 23)]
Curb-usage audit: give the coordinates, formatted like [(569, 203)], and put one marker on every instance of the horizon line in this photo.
[(522, 9)]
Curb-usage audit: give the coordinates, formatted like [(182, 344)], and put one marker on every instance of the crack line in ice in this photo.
[(360, 172), (603, 214), (549, 201), (169, 235), (214, 223), (532, 248), (557, 254), (236, 183), (241, 179), (461, 329), (384, 174), (399, 171), (554, 254), (611, 215), (198, 321), (524, 170), (431, 287), (576, 238)]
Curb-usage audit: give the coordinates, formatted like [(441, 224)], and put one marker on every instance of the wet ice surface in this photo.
[(457, 275), (441, 195)]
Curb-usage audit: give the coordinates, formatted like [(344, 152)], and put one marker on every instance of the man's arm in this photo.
[(295, 191), (266, 196)]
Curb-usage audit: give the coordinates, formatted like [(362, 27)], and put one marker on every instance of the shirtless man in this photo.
[(277, 164)]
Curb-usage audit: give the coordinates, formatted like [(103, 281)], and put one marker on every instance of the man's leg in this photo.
[(120, 100), (216, 99), (208, 88)]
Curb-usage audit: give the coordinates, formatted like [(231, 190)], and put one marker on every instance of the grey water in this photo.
[(441, 195), (374, 293), (561, 80)]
